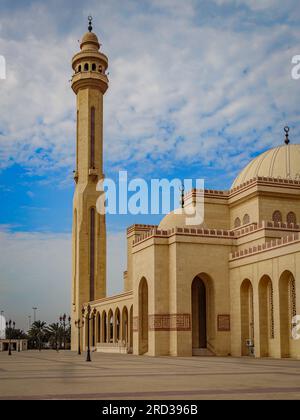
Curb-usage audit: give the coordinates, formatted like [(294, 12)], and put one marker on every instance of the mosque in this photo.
[(227, 287)]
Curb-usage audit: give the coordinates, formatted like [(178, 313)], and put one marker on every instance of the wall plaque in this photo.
[(223, 322)]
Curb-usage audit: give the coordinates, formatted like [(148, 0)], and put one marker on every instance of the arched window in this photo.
[(277, 217), (86, 67), (237, 222), (92, 160), (291, 218), (94, 67), (79, 69), (92, 253), (246, 219)]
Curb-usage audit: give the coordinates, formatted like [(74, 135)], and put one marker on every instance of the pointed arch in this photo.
[(287, 310), (98, 328), (143, 316), (117, 326), (125, 326), (247, 315), (237, 222), (131, 327), (110, 326), (104, 338), (202, 304), (266, 314)]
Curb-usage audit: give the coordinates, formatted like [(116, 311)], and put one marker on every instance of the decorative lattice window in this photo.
[(292, 285), (237, 222), (246, 219), (277, 217), (271, 309), (291, 218), (251, 306)]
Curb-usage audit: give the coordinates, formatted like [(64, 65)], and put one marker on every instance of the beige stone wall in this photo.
[(170, 270), (216, 214), (240, 209), (268, 205), (273, 264)]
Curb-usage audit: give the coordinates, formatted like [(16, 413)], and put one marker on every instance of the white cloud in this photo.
[(175, 86)]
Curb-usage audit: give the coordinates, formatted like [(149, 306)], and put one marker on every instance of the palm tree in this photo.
[(37, 333), (55, 334)]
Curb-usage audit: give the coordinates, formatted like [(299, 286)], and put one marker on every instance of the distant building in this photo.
[(15, 345), (2, 327)]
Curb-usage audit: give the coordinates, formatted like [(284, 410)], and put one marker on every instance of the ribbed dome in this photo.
[(279, 162), (89, 40)]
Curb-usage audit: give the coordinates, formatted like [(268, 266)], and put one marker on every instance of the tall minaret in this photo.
[(89, 82)]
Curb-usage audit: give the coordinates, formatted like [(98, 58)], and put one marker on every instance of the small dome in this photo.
[(90, 40), (172, 220), (279, 162)]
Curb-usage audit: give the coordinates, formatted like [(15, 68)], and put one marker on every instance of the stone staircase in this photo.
[(112, 348)]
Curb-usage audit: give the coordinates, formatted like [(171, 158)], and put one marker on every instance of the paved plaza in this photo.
[(65, 375)]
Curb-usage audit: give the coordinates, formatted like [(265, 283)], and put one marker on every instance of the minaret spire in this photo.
[(286, 130)]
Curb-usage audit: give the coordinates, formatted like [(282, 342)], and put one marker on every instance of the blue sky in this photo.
[(197, 89)]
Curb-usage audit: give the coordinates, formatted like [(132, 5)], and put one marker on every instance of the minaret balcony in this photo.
[(93, 173), (89, 79)]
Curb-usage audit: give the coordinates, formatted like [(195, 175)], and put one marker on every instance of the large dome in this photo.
[(279, 162)]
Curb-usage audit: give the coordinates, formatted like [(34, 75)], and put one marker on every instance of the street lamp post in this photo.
[(8, 326), (62, 320), (90, 316), (79, 324), (34, 313), (1, 320)]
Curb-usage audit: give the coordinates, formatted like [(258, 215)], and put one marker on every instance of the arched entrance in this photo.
[(199, 318), (125, 326), (287, 310), (266, 318), (117, 325), (143, 317), (247, 318), (110, 326), (93, 330), (104, 327), (98, 328), (131, 327)]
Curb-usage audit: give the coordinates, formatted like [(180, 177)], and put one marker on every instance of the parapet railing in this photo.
[(266, 246), (254, 180), (216, 233)]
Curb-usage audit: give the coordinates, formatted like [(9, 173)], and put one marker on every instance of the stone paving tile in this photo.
[(65, 375)]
